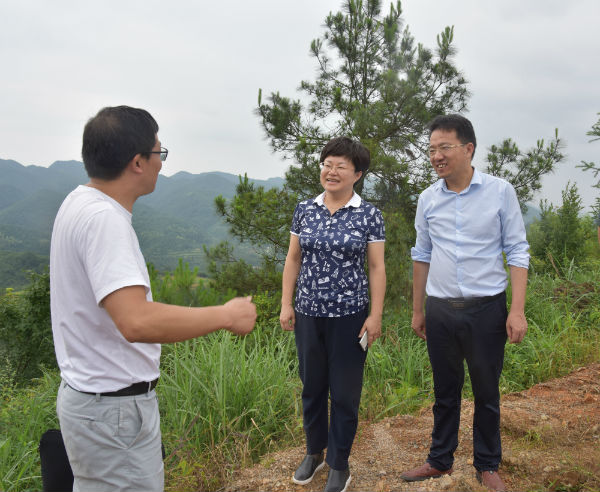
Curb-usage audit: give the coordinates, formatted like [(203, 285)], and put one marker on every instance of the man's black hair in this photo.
[(461, 125), (113, 137)]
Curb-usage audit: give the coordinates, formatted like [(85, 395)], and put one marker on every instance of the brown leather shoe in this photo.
[(423, 472), (491, 480)]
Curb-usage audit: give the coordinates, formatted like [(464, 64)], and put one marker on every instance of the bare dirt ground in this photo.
[(550, 436)]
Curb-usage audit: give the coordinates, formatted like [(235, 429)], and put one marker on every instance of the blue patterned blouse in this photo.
[(332, 280)]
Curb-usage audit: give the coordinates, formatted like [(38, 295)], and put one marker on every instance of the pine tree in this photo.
[(376, 84), (590, 166)]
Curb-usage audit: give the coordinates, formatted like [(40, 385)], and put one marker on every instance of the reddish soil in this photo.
[(550, 435)]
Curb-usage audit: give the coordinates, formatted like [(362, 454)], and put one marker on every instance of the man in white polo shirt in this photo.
[(107, 331)]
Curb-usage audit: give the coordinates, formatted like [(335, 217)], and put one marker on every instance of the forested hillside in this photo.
[(173, 222)]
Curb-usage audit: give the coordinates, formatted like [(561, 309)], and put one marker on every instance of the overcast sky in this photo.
[(532, 66)]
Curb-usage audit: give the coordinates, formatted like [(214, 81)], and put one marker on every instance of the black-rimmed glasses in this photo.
[(163, 153)]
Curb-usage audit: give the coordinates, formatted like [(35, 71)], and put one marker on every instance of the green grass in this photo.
[(25, 414), (225, 401), (228, 399), (564, 329), (398, 376)]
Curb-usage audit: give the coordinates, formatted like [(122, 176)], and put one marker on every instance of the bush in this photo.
[(184, 287), (229, 273), (399, 238), (26, 329), (560, 237)]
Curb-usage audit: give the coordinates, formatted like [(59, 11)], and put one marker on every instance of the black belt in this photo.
[(133, 390), (467, 302)]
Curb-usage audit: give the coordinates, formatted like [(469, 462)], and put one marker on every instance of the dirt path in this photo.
[(550, 433)]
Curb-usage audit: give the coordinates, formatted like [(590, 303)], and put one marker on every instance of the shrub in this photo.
[(560, 237), (26, 330)]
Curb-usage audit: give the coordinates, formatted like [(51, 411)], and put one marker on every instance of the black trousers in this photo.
[(476, 334), (331, 364)]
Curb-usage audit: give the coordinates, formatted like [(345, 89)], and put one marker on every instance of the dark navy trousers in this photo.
[(331, 365), (476, 334)]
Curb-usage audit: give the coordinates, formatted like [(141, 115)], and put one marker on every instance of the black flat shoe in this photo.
[(310, 465), (338, 480)]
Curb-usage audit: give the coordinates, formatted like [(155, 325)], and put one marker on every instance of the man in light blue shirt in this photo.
[(464, 222)]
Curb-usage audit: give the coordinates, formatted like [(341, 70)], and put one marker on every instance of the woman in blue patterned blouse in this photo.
[(330, 237)]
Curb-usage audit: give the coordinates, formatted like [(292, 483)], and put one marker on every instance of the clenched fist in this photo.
[(243, 315)]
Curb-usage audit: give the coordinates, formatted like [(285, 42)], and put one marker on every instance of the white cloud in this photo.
[(197, 67)]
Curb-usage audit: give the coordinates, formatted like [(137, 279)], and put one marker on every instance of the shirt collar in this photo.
[(475, 179), (355, 201)]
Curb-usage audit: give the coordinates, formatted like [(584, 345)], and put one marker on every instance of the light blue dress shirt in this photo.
[(462, 237)]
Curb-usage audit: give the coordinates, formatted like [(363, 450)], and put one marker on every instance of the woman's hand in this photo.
[(287, 317), (373, 327)]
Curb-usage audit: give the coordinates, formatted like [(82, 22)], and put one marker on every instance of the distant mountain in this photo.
[(173, 222)]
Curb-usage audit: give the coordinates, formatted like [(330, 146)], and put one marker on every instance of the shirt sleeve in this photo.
[(514, 237), (109, 255), (376, 227), (423, 246), (298, 212)]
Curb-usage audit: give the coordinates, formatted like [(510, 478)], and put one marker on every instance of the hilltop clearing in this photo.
[(551, 441)]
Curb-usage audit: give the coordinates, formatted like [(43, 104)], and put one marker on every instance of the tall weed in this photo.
[(397, 373), (564, 328), (225, 401), (25, 414), (228, 398)]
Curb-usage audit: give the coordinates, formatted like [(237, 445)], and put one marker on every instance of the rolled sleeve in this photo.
[(423, 246), (514, 237)]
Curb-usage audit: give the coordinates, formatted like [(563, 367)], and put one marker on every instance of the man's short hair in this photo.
[(461, 125), (352, 150), (113, 137)]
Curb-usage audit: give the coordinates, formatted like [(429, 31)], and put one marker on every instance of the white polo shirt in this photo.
[(94, 252)]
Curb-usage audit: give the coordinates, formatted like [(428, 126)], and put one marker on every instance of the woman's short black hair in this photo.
[(352, 150), (461, 125), (113, 137)]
